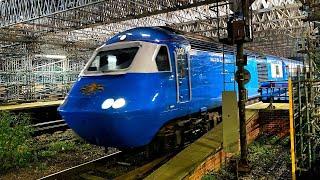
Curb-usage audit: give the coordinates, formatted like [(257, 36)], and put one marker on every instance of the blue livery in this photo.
[(143, 78)]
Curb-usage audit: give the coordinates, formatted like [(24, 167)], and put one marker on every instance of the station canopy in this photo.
[(278, 25)]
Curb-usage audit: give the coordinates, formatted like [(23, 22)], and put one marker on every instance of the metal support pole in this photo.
[(242, 101), (243, 164)]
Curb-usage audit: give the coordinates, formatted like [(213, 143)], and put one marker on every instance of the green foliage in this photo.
[(262, 154), (60, 146), (55, 147), (15, 140), (85, 146), (224, 173), (273, 140), (209, 177), (19, 149), (47, 153), (42, 166)]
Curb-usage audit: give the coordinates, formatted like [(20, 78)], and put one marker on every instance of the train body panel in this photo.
[(253, 84), (128, 90)]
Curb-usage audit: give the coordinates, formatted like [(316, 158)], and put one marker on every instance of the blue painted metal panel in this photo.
[(253, 85), (206, 80)]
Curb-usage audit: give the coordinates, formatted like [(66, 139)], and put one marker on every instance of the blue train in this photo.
[(150, 82)]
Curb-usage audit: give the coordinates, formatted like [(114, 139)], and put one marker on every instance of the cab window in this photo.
[(162, 59), (113, 60)]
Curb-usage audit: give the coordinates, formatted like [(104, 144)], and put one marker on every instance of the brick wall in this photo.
[(270, 122), (274, 122), (253, 127), (213, 162)]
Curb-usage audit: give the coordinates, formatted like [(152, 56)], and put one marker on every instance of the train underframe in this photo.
[(180, 132)]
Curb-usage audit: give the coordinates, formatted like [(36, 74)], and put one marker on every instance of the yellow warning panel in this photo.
[(230, 122)]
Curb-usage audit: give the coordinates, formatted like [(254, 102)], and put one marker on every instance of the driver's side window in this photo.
[(182, 64), (163, 59)]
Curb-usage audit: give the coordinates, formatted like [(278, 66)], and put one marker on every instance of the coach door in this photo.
[(183, 75)]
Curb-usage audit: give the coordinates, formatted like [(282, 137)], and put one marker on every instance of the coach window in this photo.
[(162, 59), (277, 70)]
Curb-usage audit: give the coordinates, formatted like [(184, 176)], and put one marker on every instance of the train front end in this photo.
[(113, 102)]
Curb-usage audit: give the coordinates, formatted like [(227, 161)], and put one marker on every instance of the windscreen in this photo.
[(113, 60)]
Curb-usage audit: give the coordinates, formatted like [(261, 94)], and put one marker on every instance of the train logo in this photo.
[(91, 88)]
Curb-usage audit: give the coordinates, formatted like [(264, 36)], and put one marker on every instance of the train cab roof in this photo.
[(147, 34)]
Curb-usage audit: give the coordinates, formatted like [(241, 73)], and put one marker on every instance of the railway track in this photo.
[(49, 127), (78, 171), (118, 165)]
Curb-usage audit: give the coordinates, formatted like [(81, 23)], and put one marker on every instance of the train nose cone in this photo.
[(96, 128), (110, 123)]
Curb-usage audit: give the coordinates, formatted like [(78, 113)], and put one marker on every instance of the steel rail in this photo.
[(73, 171)]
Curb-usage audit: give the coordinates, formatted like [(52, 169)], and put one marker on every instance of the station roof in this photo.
[(278, 26)]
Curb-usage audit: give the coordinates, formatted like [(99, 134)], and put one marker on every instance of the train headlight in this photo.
[(107, 103), (119, 103)]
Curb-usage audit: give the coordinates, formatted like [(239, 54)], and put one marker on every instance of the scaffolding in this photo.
[(306, 94), (29, 76)]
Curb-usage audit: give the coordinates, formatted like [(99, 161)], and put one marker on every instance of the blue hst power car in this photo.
[(152, 81)]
